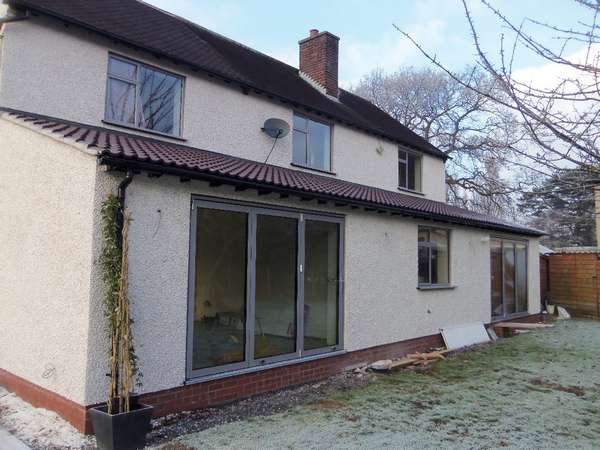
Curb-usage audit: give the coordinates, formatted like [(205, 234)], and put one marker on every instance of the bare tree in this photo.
[(475, 132), (561, 119)]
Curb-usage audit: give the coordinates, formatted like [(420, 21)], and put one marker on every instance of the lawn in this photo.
[(536, 390)]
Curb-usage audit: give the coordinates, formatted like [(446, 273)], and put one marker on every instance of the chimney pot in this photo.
[(319, 59)]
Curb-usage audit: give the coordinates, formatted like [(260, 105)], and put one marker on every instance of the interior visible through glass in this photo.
[(321, 284), (439, 256), (521, 265), (496, 272), (509, 278), (423, 257), (220, 293), (276, 275), (311, 143), (414, 172)]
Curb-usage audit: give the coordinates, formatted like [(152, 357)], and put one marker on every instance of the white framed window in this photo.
[(434, 256), (143, 97), (409, 170), (311, 144)]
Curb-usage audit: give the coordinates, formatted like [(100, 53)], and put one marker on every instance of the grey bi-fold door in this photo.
[(265, 286)]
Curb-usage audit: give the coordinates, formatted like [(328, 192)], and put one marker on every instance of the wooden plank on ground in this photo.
[(522, 326)]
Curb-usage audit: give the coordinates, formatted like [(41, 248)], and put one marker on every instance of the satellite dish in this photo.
[(276, 128)]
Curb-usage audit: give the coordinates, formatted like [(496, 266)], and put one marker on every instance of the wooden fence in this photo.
[(574, 283)]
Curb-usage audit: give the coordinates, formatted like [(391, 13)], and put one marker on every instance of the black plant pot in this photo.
[(124, 431)]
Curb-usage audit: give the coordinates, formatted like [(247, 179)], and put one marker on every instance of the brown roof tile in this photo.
[(126, 150)]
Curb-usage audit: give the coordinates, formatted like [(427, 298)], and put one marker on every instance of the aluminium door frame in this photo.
[(514, 242), (190, 371), (252, 210)]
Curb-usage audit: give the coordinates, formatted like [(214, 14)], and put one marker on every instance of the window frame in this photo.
[(431, 285), (305, 165), (136, 83), (250, 363), (514, 242), (418, 155)]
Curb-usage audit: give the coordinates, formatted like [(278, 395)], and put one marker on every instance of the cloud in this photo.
[(548, 75), (388, 52)]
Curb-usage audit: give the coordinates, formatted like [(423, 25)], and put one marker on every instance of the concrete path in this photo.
[(9, 442)]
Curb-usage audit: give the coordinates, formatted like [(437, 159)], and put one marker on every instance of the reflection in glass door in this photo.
[(219, 321), (265, 285), (496, 269), (508, 264), (275, 292), (321, 284)]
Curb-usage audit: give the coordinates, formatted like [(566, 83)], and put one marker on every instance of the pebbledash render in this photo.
[(255, 262)]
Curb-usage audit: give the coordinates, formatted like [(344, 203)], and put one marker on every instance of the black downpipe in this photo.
[(121, 190)]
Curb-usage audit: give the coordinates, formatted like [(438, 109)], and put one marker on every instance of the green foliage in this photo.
[(563, 206), (121, 353), (111, 258)]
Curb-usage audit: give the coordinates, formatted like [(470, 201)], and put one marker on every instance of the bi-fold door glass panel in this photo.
[(276, 278), (496, 270), (219, 313), (256, 278), (321, 284), (508, 277)]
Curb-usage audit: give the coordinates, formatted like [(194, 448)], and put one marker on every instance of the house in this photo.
[(255, 262)]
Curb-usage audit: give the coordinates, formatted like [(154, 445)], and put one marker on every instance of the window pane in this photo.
[(439, 256), (424, 264), (414, 172), (417, 172), (402, 175), (509, 278), (276, 274), (318, 145), (160, 101), (321, 284), (299, 151), (424, 275), (402, 155), (122, 69), (220, 303), (496, 269), (300, 123), (120, 102), (521, 268)]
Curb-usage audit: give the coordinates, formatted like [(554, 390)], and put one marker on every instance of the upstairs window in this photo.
[(143, 97), (312, 144), (434, 261), (409, 170)]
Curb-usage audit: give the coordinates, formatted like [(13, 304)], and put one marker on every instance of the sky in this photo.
[(368, 38)]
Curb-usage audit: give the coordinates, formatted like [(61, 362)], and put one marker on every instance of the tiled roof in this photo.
[(149, 28), (126, 150)]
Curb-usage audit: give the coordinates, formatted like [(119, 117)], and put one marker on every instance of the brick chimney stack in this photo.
[(319, 59)]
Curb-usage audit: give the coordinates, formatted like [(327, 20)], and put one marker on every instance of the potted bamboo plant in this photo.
[(121, 423)]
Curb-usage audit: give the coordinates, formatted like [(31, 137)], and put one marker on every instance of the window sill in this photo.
[(435, 287), (328, 172), (143, 130), (411, 191)]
